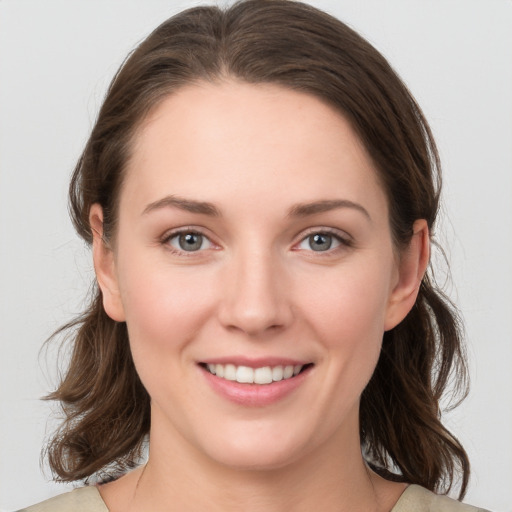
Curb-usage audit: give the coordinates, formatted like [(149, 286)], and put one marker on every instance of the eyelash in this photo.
[(343, 241), (166, 241)]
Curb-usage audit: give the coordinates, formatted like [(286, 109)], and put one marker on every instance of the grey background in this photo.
[(56, 59)]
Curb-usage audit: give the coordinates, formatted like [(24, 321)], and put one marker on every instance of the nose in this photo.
[(255, 295)]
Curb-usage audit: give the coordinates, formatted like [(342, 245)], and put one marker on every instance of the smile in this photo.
[(255, 384), (262, 375)]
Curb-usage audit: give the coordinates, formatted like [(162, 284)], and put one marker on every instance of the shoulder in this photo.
[(84, 499), (419, 499)]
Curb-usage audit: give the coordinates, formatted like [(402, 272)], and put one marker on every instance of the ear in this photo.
[(105, 266), (411, 268)]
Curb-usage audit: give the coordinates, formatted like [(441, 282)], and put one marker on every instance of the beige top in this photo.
[(414, 499)]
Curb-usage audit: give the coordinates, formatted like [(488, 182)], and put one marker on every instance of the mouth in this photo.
[(261, 375)]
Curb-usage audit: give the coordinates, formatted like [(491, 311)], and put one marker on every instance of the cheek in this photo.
[(347, 312), (350, 302), (164, 307)]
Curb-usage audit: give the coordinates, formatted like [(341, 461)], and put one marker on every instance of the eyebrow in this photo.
[(188, 205), (305, 209), (298, 210)]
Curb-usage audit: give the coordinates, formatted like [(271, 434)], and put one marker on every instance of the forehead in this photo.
[(215, 140)]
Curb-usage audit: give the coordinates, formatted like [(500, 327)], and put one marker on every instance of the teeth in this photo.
[(230, 372), (263, 375), (277, 373), (247, 375), (287, 372)]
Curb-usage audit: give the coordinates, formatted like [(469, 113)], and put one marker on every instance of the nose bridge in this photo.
[(255, 297)]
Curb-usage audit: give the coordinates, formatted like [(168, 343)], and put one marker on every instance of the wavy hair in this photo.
[(288, 43)]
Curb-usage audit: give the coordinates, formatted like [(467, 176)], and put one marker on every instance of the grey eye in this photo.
[(320, 242), (189, 242)]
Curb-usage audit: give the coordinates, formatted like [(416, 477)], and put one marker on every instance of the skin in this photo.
[(256, 288)]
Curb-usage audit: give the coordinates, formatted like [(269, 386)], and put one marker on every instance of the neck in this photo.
[(333, 477), (178, 476)]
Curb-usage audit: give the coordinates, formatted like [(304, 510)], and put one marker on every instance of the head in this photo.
[(282, 43), (282, 46)]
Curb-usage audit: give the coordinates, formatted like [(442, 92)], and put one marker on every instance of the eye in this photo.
[(189, 241), (321, 241)]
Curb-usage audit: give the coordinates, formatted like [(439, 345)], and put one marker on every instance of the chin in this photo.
[(256, 460), (257, 453)]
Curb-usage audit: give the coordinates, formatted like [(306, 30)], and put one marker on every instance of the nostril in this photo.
[(254, 300)]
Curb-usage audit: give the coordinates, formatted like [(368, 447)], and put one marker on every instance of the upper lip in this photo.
[(258, 362)]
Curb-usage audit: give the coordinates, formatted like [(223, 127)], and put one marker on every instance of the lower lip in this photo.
[(254, 395)]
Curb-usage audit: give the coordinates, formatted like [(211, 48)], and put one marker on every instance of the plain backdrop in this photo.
[(56, 59)]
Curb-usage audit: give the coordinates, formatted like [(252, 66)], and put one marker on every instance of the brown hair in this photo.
[(106, 407)]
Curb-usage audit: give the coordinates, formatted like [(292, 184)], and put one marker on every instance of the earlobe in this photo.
[(104, 267), (412, 267)]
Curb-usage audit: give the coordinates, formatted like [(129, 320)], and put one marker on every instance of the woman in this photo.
[(259, 191)]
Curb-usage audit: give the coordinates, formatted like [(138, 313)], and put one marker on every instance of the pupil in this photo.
[(190, 241), (320, 242)]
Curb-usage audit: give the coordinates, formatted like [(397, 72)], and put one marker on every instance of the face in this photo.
[(254, 267)]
